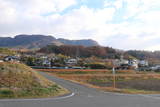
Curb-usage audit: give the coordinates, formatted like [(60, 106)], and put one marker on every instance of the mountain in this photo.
[(27, 41), (85, 42), (38, 41)]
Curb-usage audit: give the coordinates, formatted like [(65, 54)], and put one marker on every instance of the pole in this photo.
[(114, 78)]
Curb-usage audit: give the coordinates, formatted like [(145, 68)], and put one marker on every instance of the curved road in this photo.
[(85, 97)]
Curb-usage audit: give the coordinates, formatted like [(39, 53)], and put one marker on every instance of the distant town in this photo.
[(60, 61), (42, 51)]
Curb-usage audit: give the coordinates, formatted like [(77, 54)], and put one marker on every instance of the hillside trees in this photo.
[(81, 51)]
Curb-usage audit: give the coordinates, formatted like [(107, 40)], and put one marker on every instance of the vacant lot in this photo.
[(127, 79)]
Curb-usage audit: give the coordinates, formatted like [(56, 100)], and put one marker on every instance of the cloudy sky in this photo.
[(122, 24)]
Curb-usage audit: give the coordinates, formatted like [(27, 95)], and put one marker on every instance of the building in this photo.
[(143, 63), (11, 58), (71, 62), (124, 61), (134, 63), (46, 62)]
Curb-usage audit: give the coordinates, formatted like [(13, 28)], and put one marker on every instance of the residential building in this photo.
[(71, 61), (143, 63), (11, 58), (133, 63)]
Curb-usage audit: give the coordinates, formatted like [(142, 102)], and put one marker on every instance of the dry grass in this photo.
[(19, 80), (85, 71), (103, 77)]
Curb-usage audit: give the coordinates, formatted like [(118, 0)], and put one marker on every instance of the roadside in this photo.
[(20, 81)]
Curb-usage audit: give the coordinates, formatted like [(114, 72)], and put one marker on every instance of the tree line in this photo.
[(81, 51)]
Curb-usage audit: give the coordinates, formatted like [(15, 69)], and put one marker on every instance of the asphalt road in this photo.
[(85, 97)]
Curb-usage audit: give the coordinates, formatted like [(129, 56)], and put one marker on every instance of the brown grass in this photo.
[(19, 80), (108, 77), (86, 71)]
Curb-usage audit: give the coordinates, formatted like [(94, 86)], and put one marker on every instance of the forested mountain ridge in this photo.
[(39, 41)]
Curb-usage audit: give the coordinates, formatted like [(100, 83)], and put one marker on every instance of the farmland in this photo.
[(127, 81)]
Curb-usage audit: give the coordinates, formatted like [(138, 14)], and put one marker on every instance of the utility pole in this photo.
[(114, 77), (77, 52)]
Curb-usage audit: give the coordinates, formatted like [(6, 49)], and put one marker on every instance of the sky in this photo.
[(122, 24)]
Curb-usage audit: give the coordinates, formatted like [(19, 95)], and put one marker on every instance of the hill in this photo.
[(6, 51), (18, 80), (84, 42), (102, 52), (81, 51), (38, 41), (152, 57)]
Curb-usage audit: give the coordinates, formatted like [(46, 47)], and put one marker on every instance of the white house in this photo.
[(71, 61), (11, 58), (124, 61), (46, 62), (134, 63), (143, 63)]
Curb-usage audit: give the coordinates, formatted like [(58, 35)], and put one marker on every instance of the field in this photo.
[(127, 81)]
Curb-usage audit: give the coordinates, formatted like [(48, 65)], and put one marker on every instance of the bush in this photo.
[(96, 66), (6, 93)]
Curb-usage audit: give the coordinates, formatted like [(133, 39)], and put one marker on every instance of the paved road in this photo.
[(85, 97)]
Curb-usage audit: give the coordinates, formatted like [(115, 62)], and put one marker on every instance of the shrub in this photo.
[(6, 93), (96, 66)]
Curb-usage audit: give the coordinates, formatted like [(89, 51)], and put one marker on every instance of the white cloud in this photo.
[(153, 48), (7, 12), (29, 17), (84, 22), (18, 16), (137, 7), (33, 8), (118, 4)]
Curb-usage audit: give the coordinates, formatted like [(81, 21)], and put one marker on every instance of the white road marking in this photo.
[(89, 96), (149, 96), (143, 95), (40, 99), (119, 94)]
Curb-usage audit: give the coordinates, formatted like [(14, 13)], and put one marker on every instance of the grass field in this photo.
[(20, 81), (127, 81)]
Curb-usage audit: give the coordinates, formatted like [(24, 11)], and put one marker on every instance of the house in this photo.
[(155, 67), (46, 62), (116, 62), (11, 58), (133, 63), (124, 62), (71, 61), (143, 63)]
